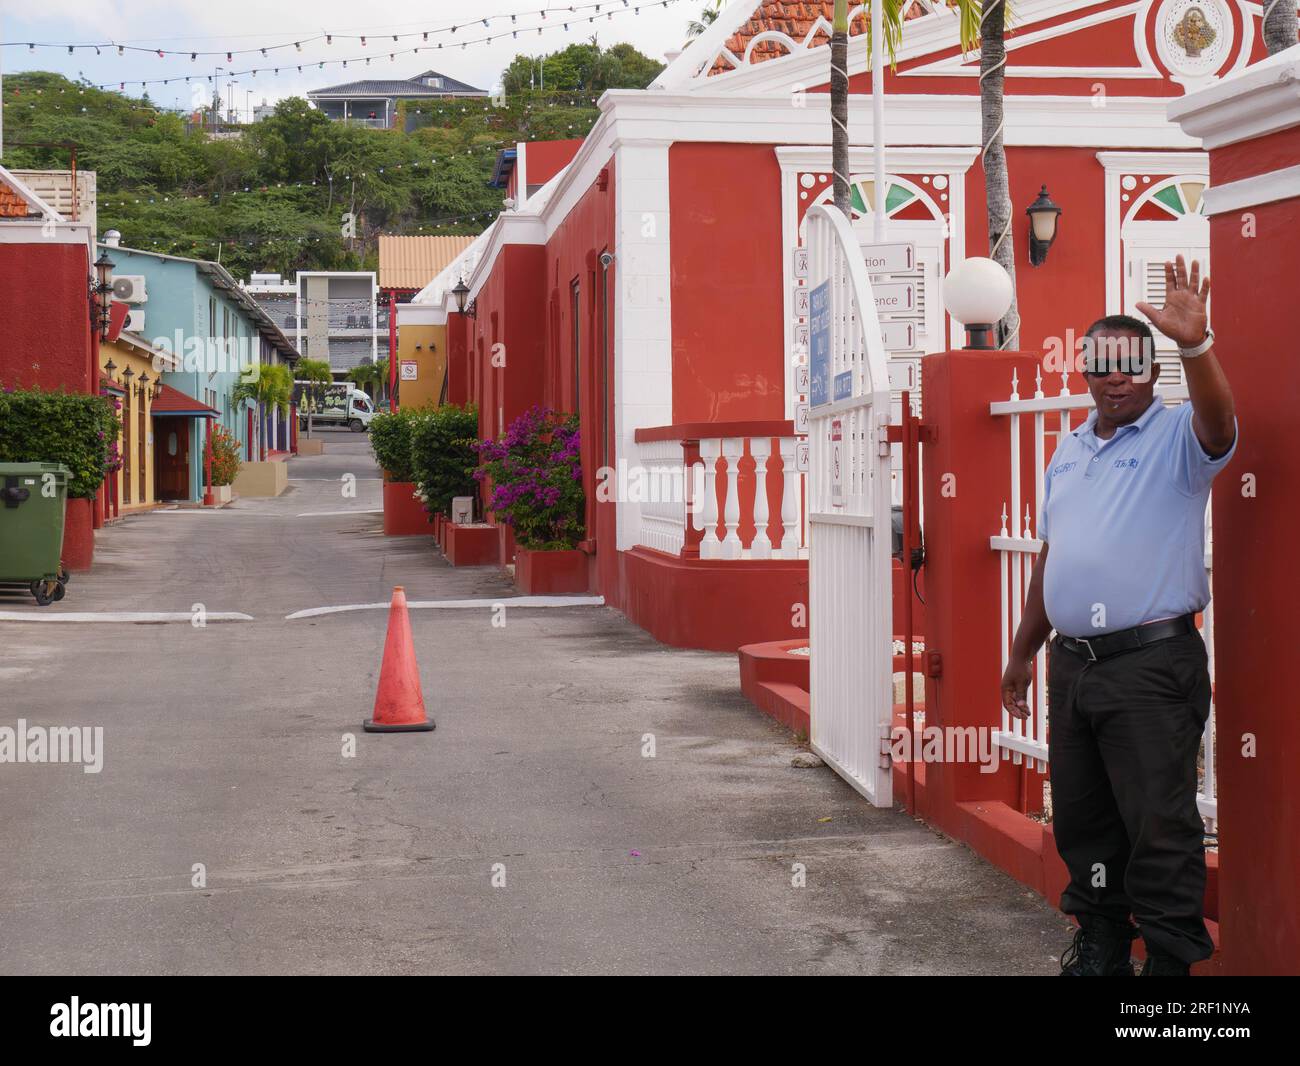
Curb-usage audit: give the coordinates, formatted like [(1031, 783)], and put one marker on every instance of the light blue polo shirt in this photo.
[(1125, 520)]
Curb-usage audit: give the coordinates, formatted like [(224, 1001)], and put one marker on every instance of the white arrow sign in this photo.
[(899, 335), (889, 258), (899, 296)]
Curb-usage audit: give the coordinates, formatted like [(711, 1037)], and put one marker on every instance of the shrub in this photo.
[(443, 456), (535, 472), (390, 436), (225, 457), (74, 429)]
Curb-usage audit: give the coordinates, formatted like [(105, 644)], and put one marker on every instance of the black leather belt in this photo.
[(1112, 644)]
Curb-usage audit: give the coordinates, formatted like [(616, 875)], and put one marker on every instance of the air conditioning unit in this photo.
[(462, 510), (129, 288), (134, 321)]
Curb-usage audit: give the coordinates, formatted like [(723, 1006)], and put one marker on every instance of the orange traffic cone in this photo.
[(399, 703)]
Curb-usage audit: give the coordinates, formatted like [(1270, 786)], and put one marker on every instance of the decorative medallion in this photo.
[(1194, 39)]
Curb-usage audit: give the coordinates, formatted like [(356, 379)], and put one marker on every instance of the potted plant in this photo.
[(535, 474), (225, 463), (390, 437), (79, 431), (443, 459)]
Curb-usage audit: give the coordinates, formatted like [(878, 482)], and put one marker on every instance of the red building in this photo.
[(653, 285), (46, 271)]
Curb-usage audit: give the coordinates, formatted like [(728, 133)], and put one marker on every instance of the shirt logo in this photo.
[(1064, 468), (1126, 464)]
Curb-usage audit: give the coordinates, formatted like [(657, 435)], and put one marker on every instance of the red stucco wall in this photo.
[(727, 323), (44, 299)]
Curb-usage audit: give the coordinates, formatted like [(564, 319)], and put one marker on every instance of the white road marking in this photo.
[(335, 480), (417, 605), (122, 616), (322, 514)]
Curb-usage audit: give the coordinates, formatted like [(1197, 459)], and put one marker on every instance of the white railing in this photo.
[(1017, 546), (733, 496)]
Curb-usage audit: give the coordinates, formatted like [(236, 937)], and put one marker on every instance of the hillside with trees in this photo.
[(296, 190)]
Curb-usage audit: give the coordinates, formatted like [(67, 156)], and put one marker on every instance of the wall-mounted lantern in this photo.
[(461, 292), (1044, 218), (103, 289)]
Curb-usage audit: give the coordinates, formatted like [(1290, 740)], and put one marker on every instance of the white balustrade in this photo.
[(708, 497), (1018, 546)]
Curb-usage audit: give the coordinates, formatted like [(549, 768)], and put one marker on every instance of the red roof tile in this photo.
[(14, 206), (174, 402), (795, 18)]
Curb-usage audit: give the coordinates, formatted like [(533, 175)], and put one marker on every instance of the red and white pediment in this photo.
[(1054, 47)]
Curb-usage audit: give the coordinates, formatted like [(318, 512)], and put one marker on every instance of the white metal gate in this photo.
[(850, 608)]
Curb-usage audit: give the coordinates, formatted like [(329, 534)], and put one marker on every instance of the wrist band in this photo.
[(1200, 349)]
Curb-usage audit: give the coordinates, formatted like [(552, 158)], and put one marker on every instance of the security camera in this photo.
[(606, 259)]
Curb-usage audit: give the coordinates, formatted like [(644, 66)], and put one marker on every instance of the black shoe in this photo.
[(1100, 949), (1159, 964)]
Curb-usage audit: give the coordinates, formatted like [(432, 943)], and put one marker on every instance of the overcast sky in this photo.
[(212, 25)]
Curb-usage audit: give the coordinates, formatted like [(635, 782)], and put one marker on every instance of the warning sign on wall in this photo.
[(408, 369)]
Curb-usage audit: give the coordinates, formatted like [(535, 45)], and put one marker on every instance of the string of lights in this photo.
[(366, 59), (122, 47)]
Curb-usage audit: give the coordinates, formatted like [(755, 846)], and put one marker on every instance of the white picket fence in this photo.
[(1017, 548)]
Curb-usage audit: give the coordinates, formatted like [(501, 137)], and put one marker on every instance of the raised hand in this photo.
[(1183, 319)]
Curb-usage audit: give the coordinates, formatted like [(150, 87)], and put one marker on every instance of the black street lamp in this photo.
[(1044, 217), (461, 292), (103, 288)]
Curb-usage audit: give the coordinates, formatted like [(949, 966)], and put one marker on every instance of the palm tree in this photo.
[(1279, 25), (707, 17), (273, 387), (980, 24), (317, 372)]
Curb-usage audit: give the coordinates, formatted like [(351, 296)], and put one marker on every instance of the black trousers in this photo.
[(1123, 737)]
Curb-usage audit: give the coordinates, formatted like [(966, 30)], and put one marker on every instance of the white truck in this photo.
[(336, 404)]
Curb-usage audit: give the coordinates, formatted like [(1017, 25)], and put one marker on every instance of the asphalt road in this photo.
[(227, 831)]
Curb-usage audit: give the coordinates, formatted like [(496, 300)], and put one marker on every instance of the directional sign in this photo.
[(905, 374), (899, 296), (819, 346), (899, 335), (889, 258), (801, 379), (801, 259), (837, 462)]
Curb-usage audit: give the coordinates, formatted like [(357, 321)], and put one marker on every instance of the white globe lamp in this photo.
[(977, 292)]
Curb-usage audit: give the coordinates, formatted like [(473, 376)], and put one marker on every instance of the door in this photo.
[(172, 458), (850, 608)]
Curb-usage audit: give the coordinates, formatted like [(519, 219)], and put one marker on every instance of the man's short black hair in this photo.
[(1127, 324), (1102, 355)]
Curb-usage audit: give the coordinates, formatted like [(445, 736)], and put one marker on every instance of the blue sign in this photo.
[(819, 343), (844, 385)]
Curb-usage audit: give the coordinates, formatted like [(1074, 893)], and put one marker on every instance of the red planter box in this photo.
[(404, 515), (78, 534), (541, 573), (471, 545)]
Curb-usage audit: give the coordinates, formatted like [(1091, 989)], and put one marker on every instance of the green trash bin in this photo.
[(32, 499)]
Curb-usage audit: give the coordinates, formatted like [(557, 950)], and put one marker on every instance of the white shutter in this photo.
[(1147, 247)]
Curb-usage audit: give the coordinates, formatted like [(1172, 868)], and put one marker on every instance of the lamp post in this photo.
[(977, 292), (100, 295), (1044, 219), (461, 292)]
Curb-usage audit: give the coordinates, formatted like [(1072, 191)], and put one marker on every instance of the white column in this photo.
[(760, 448), (732, 449), (789, 500)]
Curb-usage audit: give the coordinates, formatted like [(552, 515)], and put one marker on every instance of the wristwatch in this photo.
[(1200, 349)]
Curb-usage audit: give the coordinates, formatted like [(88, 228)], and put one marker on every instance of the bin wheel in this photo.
[(65, 575), (60, 590), (43, 593)]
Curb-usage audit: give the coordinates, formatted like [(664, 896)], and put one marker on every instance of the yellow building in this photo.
[(131, 374), (421, 357)]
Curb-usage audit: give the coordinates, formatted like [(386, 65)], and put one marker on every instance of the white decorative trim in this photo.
[(1249, 192), (29, 196), (698, 57), (642, 305), (958, 65), (1116, 165), (1256, 100)]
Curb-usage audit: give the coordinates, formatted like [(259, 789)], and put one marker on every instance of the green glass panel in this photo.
[(855, 200), (1170, 198), (897, 196)]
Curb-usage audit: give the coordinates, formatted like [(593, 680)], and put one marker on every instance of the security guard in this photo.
[(1120, 579)]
